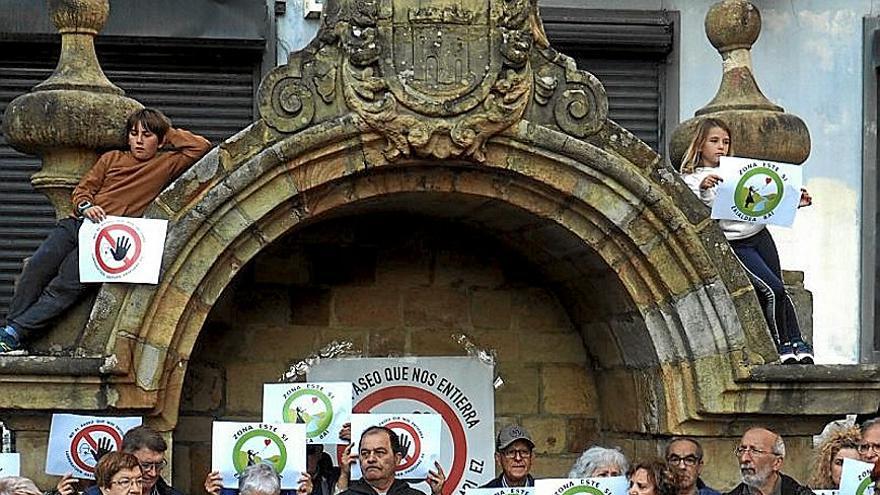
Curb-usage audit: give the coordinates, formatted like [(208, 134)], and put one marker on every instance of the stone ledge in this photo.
[(806, 374), (56, 366)]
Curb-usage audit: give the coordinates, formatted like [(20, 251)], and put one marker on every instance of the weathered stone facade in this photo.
[(500, 202)]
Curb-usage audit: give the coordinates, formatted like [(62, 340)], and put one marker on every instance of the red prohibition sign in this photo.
[(104, 235), (459, 439), (417, 443), (86, 434)]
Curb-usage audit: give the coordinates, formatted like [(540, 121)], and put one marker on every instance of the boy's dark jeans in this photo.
[(49, 283)]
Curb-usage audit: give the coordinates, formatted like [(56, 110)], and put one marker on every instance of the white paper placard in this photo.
[(459, 389), (614, 485), (826, 492), (74, 441), (322, 407), (757, 191), (235, 446), (419, 435), (855, 478), (10, 464), (122, 249), (511, 490)]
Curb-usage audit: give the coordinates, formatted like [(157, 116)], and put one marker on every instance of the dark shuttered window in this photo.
[(627, 51)]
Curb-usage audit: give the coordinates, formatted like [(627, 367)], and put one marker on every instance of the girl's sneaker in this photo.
[(803, 351), (787, 354)]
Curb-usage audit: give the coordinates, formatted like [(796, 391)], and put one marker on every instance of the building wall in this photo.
[(390, 286)]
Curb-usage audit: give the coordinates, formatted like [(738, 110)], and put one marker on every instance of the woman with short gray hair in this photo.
[(599, 462), (16, 485), (259, 479)]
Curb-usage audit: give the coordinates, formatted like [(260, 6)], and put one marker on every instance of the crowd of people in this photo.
[(137, 468)]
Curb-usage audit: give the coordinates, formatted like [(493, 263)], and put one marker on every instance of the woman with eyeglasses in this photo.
[(653, 477), (119, 473), (839, 445)]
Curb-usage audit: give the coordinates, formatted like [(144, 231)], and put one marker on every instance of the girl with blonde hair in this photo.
[(751, 242)]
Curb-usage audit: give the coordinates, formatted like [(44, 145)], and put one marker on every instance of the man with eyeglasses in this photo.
[(761, 453), (148, 446), (686, 455), (869, 447), (513, 451)]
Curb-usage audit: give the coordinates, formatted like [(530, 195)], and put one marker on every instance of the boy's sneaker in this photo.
[(803, 351), (9, 345), (786, 354)]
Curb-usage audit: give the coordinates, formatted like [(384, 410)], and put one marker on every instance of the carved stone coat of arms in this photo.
[(437, 78)]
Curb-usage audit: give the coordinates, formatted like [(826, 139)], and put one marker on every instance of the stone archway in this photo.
[(357, 117), (677, 274), (405, 276)]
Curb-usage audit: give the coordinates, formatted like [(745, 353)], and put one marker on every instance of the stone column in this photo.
[(760, 129), (67, 118)]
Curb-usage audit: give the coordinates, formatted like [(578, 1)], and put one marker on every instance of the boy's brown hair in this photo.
[(151, 119)]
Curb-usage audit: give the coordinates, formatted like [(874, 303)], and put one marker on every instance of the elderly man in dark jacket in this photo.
[(761, 453), (513, 451)]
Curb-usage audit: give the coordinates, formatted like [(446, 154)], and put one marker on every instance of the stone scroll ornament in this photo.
[(575, 99), (290, 95), (436, 79)]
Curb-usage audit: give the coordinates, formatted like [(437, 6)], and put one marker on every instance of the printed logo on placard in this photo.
[(259, 445), (87, 440), (118, 247), (585, 486), (863, 486), (410, 436), (311, 406), (589, 490), (758, 192), (513, 490)]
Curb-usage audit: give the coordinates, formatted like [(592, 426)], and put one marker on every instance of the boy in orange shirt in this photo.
[(121, 183)]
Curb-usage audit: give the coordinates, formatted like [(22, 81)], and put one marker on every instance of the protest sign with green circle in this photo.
[(585, 489), (311, 407), (758, 192), (257, 446)]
